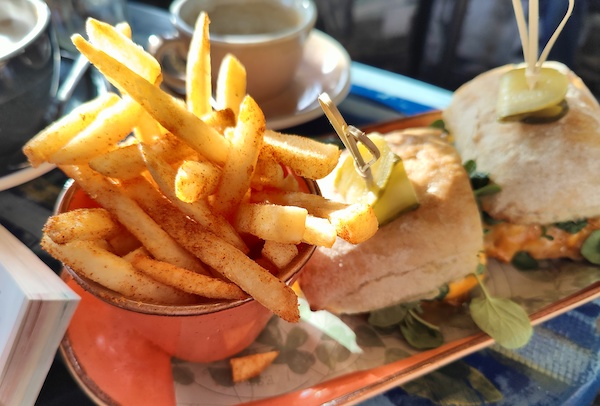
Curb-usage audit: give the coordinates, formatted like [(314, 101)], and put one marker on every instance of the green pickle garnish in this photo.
[(390, 193), (543, 103)]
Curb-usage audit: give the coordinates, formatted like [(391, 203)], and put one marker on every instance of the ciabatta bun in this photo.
[(411, 257)]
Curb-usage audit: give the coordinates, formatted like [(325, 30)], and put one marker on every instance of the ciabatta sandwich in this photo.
[(413, 256), (548, 173)]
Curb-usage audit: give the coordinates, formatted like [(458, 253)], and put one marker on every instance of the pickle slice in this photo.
[(352, 185), (547, 115), (390, 194), (397, 197), (516, 101)]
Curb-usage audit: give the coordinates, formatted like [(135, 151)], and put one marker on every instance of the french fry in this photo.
[(116, 42), (198, 85), (133, 218), (285, 224), (316, 205), (280, 254), (187, 280), (267, 173), (123, 242), (250, 366), (110, 127), (147, 129), (355, 223), (127, 162), (165, 109), (196, 180), (121, 163), (113, 272), (306, 157), (199, 210), (220, 120), (319, 232), (81, 224), (57, 134), (231, 84), (245, 147), (124, 28)]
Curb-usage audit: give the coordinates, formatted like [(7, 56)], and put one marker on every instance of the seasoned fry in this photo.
[(316, 205), (124, 28), (186, 280), (268, 173), (123, 242), (250, 366), (285, 224), (57, 134), (110, 127), (81, 224), (306, 157), (280, 254), (231, 84), (237, 171), (220, 120), (319, 232), (113, 272), (133, 218), (196, 180), (198, 87), (147, 129), (165, 109), (115, 42), (199, 210), (126, 162), (356, 223)]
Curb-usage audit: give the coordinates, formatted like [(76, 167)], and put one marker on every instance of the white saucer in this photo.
[(325, 68), (24, 175)]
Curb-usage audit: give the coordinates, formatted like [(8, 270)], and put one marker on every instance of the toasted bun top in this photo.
[(411, 257), (548, 172)]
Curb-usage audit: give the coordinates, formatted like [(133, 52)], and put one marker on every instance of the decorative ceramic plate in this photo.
[(322, 359)]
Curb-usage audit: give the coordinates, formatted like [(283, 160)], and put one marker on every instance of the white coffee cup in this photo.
[(29, 73), (267, 36)]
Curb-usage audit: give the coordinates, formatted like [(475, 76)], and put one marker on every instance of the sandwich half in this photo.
[(413, 256), (548, 173)]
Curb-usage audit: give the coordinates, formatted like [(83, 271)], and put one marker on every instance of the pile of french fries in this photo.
[(196, 200)]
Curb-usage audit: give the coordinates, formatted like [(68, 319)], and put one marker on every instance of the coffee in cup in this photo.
[(267, 36)]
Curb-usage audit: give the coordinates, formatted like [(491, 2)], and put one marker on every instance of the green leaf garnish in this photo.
[(523, 261), (438, 124), (504, 320), (488, 189), (419, 333), (480, 181), (389, 316), (591, 247), (572, 227)]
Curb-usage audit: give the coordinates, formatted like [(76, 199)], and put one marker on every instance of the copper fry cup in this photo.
[(206, 332)]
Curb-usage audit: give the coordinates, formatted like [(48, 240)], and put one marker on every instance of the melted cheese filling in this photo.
[(504, 240)]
